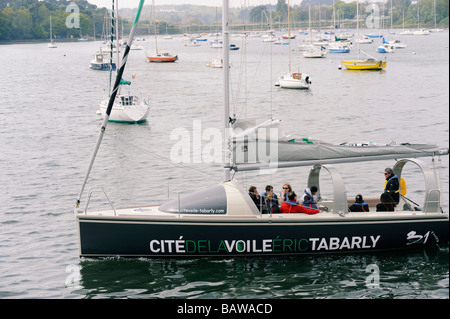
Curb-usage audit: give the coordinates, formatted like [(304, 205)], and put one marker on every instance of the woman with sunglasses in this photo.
[(287, 188)]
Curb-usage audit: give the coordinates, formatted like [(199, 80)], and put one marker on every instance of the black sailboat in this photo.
[(224, 221)]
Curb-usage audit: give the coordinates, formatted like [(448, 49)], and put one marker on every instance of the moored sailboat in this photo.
[(293, 80), (224, 221), (52, 44), (363, 64), (160, 55), (125, 107)]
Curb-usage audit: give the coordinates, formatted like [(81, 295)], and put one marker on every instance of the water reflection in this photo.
[(416, 274)]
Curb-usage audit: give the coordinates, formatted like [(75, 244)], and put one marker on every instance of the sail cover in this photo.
[(258, 144)]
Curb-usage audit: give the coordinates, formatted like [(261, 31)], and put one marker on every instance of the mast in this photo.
[(289, 36), (226, 87), (391, 15), (111, 100), (117, 32), (435, 24), (334, 17), (154, 25), (51, 38), (111, 44), (357, 26)]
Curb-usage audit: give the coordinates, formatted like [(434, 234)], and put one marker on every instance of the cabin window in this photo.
[(211, 201)]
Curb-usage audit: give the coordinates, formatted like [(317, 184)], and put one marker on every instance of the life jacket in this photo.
[(309, 204), (274, 200), (361, 205), (403, 188), (307, 191)]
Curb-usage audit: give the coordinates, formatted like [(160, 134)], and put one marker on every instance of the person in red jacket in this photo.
[(291, 206)]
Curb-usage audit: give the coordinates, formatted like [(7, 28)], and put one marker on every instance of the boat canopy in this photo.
[(225, 198), (257, 144)]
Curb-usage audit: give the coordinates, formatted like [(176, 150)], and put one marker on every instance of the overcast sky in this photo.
[(213, 3)]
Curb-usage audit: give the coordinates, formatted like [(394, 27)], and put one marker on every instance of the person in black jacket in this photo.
[(386, 203), (392, 187), (359, 205), (270, 200), (254, 195)]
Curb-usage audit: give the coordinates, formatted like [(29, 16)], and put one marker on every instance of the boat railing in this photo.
[(91, 190), (432, 202), (339, 203)]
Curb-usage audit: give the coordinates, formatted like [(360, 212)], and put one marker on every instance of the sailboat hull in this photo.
[(265, 235), (364, 64), (295, 81), (120, 113), (162, 58), (102, 66)]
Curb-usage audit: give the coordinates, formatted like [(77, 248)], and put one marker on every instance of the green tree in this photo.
[(258, 14), (22, 24), (282, 10), (5, 23)]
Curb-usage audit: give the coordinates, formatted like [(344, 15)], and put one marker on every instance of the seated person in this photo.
[(271, 200), (359, 205), (387, 204), (291, 206), (254, 195), (311, 193), (287, 188), (309, 203)]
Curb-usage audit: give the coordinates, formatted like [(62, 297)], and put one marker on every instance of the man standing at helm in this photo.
[(393, 185)]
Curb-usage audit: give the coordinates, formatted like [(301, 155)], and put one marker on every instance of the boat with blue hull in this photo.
[(224, 221), (339, 48)]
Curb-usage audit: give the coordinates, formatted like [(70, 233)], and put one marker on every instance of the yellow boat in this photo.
[(364, 64)]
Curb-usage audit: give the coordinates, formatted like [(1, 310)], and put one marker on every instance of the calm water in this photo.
[(48, 127)]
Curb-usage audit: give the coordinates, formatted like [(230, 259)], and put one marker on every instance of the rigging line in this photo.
[(257, 70), (242, 79), (271, 77), (164, 159), (110, 103)]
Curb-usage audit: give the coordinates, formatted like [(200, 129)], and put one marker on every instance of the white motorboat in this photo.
[(101, 62), (364, 40), (217, 63), (421, 32), (397, 44), (315, 52)]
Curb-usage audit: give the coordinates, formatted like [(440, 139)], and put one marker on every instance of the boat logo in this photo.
[(413, 238)]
